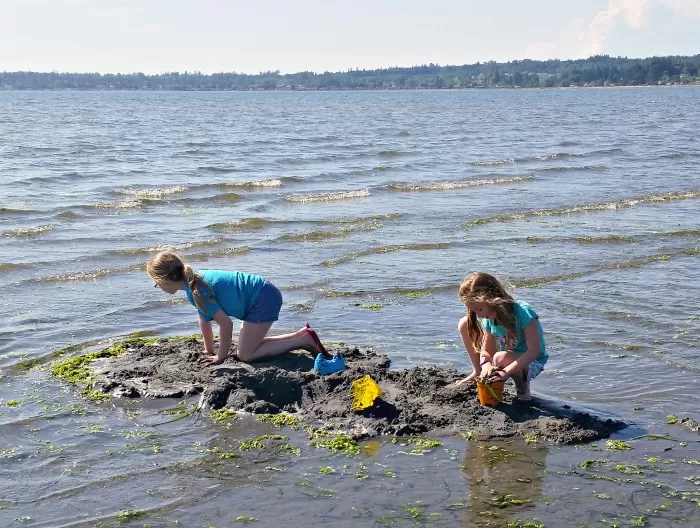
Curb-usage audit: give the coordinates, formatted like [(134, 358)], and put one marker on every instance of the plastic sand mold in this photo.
[(364, 391)]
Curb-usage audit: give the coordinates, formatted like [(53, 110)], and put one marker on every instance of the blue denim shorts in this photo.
[(534, 369), (266, 307)]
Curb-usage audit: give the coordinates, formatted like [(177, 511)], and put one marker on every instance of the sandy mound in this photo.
[(414, 401)]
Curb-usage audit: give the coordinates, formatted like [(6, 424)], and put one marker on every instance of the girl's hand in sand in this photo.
[(486, 370), (469, 378), (214, 360)]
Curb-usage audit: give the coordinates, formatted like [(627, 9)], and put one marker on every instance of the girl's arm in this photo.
[(463, 328), (489, 347), (207, 334), (225, 334), (534, 347)]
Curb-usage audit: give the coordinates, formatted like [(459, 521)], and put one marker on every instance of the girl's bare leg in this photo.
[(522, 386), (255, 344)]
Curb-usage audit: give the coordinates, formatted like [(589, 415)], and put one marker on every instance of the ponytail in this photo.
[(196, 283), (168, 266)]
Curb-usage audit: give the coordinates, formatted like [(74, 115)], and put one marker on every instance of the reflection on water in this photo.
[(505, 479)]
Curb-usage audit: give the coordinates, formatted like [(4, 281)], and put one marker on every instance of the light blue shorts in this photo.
[(534, 369), (266, 307)]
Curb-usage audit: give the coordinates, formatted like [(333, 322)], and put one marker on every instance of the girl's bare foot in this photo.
[(469, 378)]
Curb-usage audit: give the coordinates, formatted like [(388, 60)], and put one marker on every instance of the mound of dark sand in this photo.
[(414, 401)]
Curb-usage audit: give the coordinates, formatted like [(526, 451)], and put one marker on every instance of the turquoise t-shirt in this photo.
[(235, 292), (523, 315)]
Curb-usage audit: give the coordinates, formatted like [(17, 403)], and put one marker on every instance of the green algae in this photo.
[(504, 500), (589, 463), (631, 469), (497, 454), (280, 420), (75, 370), (340, 442), (421, 445), (7, 453), (223, 454), (617, 445), (222, 415), (126, 515), (258, 443), (289, 448)]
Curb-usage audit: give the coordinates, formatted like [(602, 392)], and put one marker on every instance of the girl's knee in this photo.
[(501, 359), (245, 354)]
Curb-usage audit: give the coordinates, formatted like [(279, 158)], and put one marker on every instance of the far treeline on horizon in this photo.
[(598, 70)]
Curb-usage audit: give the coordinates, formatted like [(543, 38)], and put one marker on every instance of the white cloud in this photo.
[(582, 39)]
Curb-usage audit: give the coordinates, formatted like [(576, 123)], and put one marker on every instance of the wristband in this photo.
[(484, 362)]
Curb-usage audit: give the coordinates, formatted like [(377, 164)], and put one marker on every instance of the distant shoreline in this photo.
[(600, 71), (288, 90)]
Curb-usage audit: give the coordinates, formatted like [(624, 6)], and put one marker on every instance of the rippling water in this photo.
[(367, 209)]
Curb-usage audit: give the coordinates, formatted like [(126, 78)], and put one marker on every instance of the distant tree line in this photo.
[(598, 70)]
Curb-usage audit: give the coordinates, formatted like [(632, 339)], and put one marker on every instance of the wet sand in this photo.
[(414, 401)]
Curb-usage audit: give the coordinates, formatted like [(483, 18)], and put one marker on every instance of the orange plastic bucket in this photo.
[(490, 394)]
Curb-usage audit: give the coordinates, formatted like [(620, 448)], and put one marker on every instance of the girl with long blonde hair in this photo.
[(500, 333)]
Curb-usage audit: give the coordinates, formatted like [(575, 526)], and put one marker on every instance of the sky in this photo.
[(251, 36)]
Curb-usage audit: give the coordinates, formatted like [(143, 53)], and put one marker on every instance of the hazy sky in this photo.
[(154, 36)]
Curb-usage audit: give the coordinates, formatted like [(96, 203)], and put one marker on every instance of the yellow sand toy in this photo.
[(364, 391)]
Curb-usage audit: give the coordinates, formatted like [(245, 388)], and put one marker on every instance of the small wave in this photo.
[(89, 275), (608, 206), (139, 197), (672, 155), (396, 290), (245, 224), (9, 266), (446, 186), (583, 239), (206, 255), (124, 204), (386, 249), (168, 247), (363, 219), (402, 133), (200, 144), (223, 197), (15, 211), (680, 233), (252, 184), (68, 215), (595, 167), (389, 153), (28, 231), (273, 182), (153, 194), (558, 155), (493, 163), (324, 235), (219, 170), (568, 143), (327, 197), (624, 264)]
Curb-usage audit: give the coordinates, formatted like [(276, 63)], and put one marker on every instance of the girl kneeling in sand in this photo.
[(218, 296), (500, 333)]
